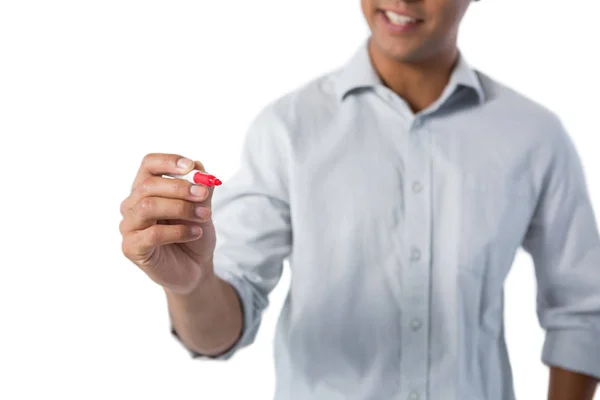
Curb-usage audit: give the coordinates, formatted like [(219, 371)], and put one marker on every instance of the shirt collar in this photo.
[(464, 75), (359, 73)]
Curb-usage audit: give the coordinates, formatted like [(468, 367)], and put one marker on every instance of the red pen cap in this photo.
[(206, 179)]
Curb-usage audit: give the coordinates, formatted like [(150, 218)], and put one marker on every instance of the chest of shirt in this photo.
[(377, 182)]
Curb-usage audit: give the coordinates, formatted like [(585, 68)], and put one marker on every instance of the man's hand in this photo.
[(166, 227)]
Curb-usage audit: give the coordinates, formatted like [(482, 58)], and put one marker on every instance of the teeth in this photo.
[(398, 19)]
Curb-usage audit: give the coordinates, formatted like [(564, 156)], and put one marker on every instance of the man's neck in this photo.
[(419, 84)]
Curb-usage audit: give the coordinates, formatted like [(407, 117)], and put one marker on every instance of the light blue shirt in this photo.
[(400, 230)]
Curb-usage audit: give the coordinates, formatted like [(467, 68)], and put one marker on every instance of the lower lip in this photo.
[(393, 28)]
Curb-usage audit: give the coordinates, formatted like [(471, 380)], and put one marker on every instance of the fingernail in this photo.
[(185, 163), (198, 191), (196, 230), (202, 212)]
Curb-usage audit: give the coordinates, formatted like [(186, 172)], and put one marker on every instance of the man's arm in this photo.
[(209, 320), (564, 243), (567, 385), (251, 214)]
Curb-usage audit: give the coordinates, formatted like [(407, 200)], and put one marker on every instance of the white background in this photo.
[(88, 87)]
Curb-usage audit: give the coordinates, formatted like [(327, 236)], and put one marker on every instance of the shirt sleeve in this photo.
[(252, 222), (564, 243)]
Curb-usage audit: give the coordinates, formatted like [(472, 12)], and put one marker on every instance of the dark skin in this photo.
[(417, 65), (566, 384)]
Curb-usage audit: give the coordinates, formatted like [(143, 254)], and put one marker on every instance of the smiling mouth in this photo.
[(400, 19)]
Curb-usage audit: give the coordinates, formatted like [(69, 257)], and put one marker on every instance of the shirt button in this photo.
[(395, 218), (417, 187), (415, 324), (414, 396), (415, 254)]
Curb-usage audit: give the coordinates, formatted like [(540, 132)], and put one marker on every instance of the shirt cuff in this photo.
[(250, 323), (573, 350)]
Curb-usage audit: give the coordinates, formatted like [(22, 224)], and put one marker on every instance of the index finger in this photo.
[(160, 164)]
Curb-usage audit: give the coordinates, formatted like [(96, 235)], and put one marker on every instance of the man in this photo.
[(400, 187)]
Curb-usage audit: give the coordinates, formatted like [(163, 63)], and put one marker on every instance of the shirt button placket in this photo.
[(416, 271)]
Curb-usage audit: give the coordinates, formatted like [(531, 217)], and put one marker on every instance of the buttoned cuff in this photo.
[(573, 350), (250, 323)]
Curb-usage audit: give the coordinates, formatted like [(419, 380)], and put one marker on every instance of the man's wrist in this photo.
[(206, 278), (570, 385)]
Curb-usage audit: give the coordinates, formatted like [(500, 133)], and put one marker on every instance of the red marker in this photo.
[(198, 178)]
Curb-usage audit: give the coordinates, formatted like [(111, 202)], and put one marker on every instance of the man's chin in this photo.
[(400, 52)]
